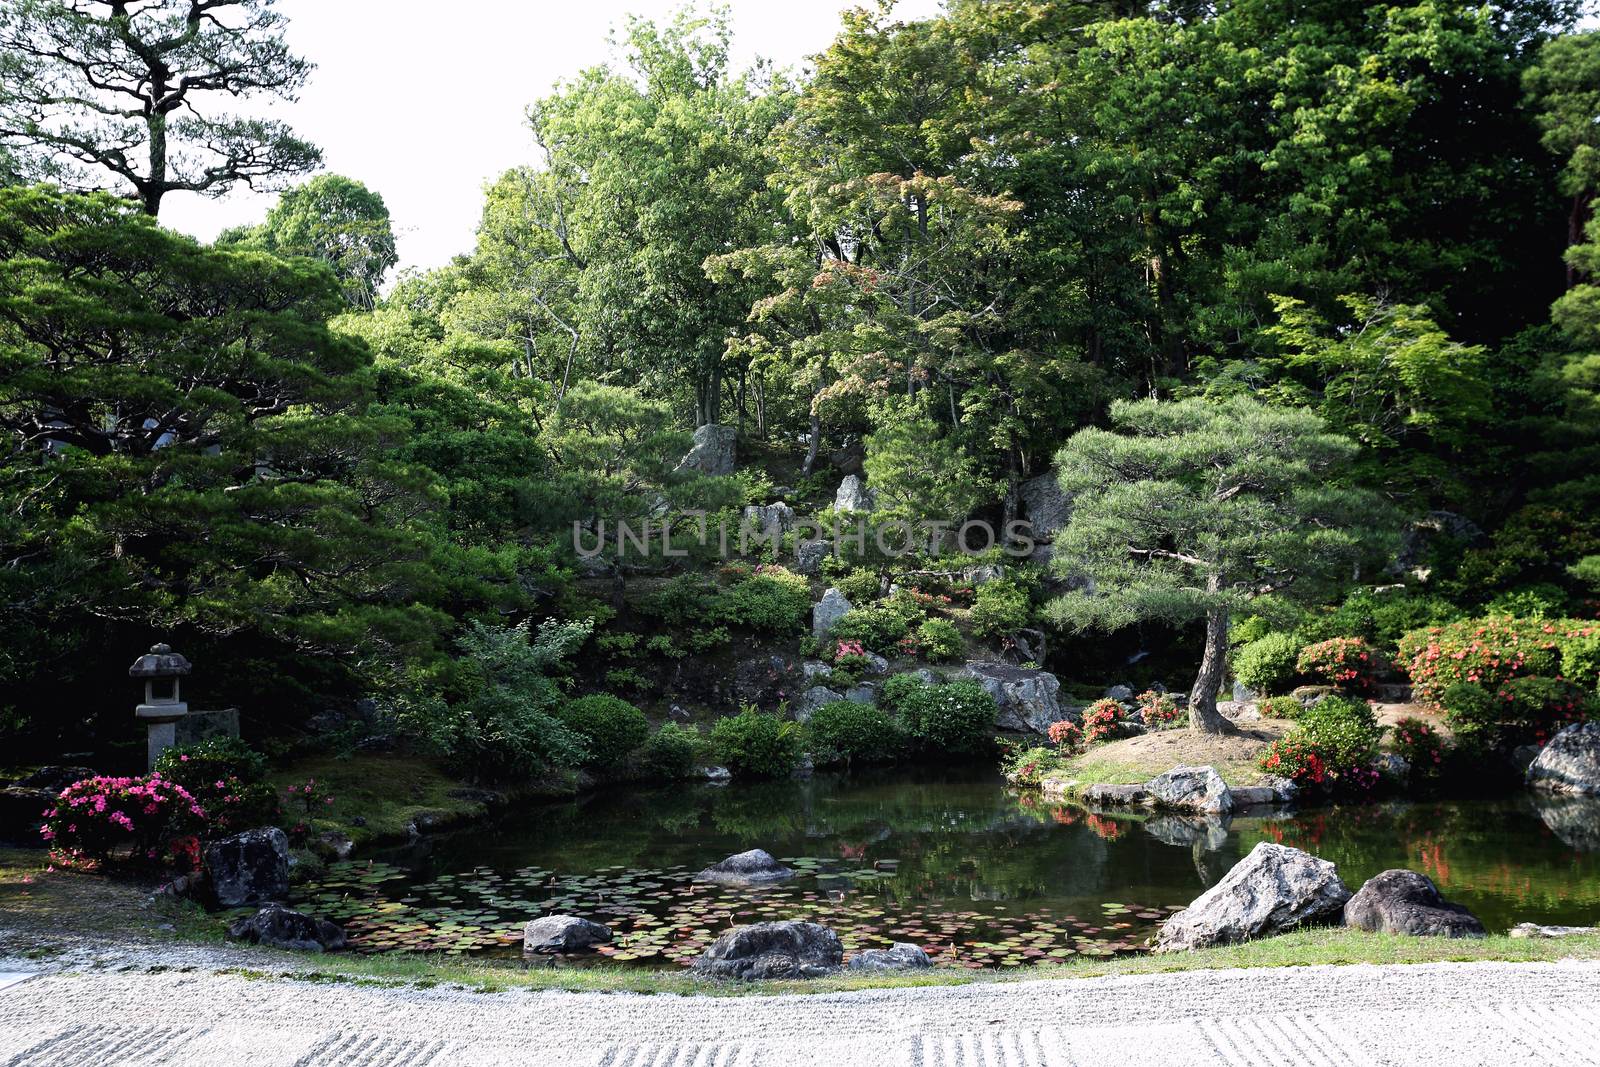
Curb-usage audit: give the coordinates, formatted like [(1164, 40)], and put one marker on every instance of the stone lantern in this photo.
[(163, 704)]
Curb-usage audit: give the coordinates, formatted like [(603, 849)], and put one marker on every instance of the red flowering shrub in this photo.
[(1066, 735), (1486, 652), (1157, 710), (1419, 744), (132, 820), (1101, 721), (1331, 748), (1534, 708), (1347, 662)]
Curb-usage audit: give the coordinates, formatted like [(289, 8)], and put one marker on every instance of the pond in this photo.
[(977, 873)]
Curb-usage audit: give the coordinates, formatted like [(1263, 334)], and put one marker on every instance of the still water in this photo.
[(979, 874)]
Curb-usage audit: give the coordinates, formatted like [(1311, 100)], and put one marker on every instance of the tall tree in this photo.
[(337, 220), (1563, 88), (88, 87), (1195, 509)]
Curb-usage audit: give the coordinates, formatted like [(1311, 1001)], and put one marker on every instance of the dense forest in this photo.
[(1341, 256)]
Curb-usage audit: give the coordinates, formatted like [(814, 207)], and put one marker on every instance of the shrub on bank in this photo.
[(772, 600), (881, 626), (1267, 664), (137, 822), (227, 778), (671, 752), (1420, 745), (1158, 711), (755, 744), (1102, 721), (1284, 707), (999, 608), (953, 719), (938, 640), (1346, 662), (1486, 652), (1330, 749), (843, 731), (610, 727)]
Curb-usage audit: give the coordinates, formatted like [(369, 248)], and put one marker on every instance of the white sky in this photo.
[(424, 101)]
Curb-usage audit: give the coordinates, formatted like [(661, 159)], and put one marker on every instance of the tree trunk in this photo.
[(1203, 714), (151, 190), (812, 446)]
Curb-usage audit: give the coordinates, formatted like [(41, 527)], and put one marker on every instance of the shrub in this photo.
[(1347, 662), (1066, 735), (1267, 664), (878, 627), (1473, 715), (611, 728), (773, 600), (860, 585), (682, 601), (1158, 711), (130, 820), (952, 719), (843, 731), (672, 752), (999, 608), (227, 778), (1542, 601), (1580, 657), (1419, 744), (939, 640), (899, 688), (1380, 617), (1331, 748), (1486, 652), (1534, 708), (1101, 721), (1279, 708), (756, 744), (1026, 766)]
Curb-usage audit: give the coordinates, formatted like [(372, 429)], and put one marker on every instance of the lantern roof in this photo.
[(159, 662)]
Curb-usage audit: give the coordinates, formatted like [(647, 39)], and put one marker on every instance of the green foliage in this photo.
[(938, 640), (860, 585), (228, 779), (504, 726), (609, 727), (1268, 664), (999, 608), (1348, 663), (336, 220), (1330, 748), (672, 752), (685, 600), (773, 601), (1520, 710), (1473, 715), (843, 731), (1284, 707), (1484, 652), (953, 719), (879, 626), (1380, 617), (1542, 601), (1420, 745), (757, 745)]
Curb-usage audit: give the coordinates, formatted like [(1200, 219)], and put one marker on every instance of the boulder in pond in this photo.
[(563, 933), (249, 868), (1570, 763), (1273, 889), (903, 956), (787, 949), (1198, 789), (280, 927), (714, 450), (755, 867), (1405, 902), (1028, 700)]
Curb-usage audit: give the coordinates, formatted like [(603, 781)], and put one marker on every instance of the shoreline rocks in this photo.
[(902, 956), (1273, 889), (563, 933), (1029, 700), (249, 868), (754, 867), (787, 949), (1570, 763), (1405, 902), (279, 927)]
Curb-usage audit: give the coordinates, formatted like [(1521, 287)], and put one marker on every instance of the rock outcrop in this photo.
[(853, 495), (1405, 902), (714, 450), (249, 868), (786, 949), (755, 867), (563, 933), (1274, 888), (1045, 504), (1028, 700), (830, 609), (1570, 763), (1196, 789)]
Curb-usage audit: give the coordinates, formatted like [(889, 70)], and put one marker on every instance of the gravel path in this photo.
[(1439, 1015)]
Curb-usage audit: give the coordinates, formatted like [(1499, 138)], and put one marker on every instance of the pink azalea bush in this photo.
[(106, 819), (1346, 662)]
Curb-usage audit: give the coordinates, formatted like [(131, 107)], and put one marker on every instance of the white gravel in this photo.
[(1433, 1014)]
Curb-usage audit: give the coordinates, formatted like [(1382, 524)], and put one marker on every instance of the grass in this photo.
[(43, 913), (1138, 759)]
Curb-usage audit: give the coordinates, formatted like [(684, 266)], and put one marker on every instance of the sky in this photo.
[(424, 101)]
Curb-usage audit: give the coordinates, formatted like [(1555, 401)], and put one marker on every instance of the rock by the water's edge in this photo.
[(788, 949), (1570, 763), (278, 927), (902, 956), (249, 868), (1405, 902), (563, 933), (1273, 889)]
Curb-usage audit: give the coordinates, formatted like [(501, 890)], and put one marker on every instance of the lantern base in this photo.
[(161, 736)]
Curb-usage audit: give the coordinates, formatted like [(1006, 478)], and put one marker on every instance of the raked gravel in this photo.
[(1437, 1015)]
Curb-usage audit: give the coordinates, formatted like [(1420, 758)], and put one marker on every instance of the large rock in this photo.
[(773, 950), (755, 867), (563, 933), (249, 868), (853, 495), (1570, 763), (1045, 504), (773, 520), (901, 957), (1028, 699), (830, 609), (862, 693), (1423, 534), (812, 699), (1405, 902), (1197, 789), (714, 450), (809, 556), (280, 927), (1274, 888)]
